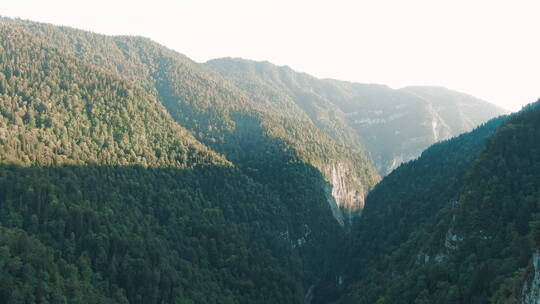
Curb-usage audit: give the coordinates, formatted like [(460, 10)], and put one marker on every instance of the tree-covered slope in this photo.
[(57, 110), (220, 114), (394, 125), (105, 198), (282, 90), (461, 224)]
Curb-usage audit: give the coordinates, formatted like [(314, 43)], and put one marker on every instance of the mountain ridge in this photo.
[(362, 116)]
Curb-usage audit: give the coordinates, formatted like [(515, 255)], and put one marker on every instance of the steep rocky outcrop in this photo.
[(345, 192), (531, 289)]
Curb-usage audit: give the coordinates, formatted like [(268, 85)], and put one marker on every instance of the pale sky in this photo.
[(489, 49)]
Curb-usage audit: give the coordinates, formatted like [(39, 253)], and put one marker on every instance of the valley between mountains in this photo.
[(131, 174)]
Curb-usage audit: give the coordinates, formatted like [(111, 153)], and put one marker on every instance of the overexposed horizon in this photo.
[(488, 49)]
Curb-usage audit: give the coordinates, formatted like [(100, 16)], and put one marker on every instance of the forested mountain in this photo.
[(461, 224), (111, 193), (220, 115), (395, 125)]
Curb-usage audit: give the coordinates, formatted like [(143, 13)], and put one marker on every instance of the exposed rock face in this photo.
[(345, 192), (531, 290)]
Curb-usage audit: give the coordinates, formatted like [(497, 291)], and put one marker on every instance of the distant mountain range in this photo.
[(394, 125)]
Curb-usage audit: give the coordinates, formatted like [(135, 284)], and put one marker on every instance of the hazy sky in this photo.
[(490, 49)]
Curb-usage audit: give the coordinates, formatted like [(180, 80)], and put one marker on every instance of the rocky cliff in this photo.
[(345, 192), (531, 289)]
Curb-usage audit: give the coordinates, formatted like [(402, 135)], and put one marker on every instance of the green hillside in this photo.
[(460, 224), (105, 198)]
